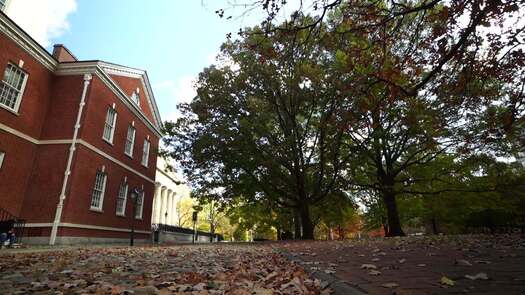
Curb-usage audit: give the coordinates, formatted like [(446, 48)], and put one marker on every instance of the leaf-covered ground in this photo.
[(478, 264), (201, 269)]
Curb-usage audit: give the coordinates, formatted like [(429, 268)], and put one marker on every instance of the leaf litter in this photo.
[(202, 269)]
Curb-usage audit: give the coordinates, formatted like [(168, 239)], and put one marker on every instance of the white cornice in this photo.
[(98, 68), (120, 70), (22, 39)]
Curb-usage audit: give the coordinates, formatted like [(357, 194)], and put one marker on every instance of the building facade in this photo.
[(76, 137), (170, 189)]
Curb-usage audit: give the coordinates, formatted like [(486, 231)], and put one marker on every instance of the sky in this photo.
[(173, 40)]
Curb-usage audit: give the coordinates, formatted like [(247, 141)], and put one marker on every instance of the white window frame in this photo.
[(101, 190), (145, 152), (20, 92), (122, 195), (140, 206), (111, 132), (130, 143), (135, 97), (2, 157)]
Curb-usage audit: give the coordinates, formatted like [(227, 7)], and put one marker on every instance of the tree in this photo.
[(411, 99), (260, 125), (184, 208)]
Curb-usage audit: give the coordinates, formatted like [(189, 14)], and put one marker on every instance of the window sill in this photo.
[(107, 141), (96, 210), (138, 218), (9, 110), (129, 156), (121, 215)]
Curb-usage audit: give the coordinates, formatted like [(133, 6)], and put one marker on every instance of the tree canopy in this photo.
[(378, 99)]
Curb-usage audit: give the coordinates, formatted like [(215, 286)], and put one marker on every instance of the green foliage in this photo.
[(393, 106)]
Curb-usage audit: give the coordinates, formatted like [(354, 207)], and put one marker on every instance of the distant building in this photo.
[(75, 138), (170, 189)]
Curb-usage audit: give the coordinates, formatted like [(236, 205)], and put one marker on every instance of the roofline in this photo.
[(66, 49), (13, 31), (24, 40), (96, 68)]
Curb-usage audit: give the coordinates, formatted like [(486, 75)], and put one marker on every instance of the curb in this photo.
[(339, 287)]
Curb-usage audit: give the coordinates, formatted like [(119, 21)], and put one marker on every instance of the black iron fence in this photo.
[(9, 221), (183, 230)]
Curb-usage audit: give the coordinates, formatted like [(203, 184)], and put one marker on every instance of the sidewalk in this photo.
[(421, 265)]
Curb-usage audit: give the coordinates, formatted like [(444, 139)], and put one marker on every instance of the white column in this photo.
[(172, 209), (155, 208), (168, 208), (163, 205)]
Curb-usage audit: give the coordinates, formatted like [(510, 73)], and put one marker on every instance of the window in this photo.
[(140, 206), (121, 199), (12, 87), (135, 97), (2, 4), (145, 153), (97, 197), (109, 125), (2, 156), (130, 141)]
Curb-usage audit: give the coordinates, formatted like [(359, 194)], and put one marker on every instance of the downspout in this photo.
[(58, 214)]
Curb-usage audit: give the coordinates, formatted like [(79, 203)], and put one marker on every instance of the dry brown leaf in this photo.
[(390, 285)]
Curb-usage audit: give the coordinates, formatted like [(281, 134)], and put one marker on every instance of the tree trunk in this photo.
[(434, 226), (394, 224), (306, 222), (297, 225)]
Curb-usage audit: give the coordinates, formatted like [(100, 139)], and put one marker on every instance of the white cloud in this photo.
[(43, 20), (172, 92)]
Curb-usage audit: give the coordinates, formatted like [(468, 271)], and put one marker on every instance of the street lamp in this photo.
[(134, 195)]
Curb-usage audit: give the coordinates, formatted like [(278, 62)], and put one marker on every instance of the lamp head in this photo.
[(135, 193)]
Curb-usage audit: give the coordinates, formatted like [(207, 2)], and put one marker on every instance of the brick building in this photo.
[(75, 138)]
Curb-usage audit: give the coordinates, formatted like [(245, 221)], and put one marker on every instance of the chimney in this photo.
[(62, 54)]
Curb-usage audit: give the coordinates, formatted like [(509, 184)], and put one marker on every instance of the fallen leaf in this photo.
[(368, 266), (390, 285), (446, 281), (479, 276), (374, 273), (402, 260), (463, 262)]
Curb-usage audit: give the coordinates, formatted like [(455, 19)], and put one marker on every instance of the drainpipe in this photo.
[(58, 214)]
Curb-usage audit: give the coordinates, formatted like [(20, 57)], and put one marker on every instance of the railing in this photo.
[(9, 221), (183, 230)]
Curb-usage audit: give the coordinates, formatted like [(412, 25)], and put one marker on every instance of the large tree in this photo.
[(417, 81), (261, 126)]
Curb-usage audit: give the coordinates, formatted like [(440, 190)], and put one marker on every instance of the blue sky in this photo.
[(172, 39)]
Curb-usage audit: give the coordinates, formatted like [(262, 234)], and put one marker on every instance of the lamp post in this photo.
[(134, 194), (194, 219)]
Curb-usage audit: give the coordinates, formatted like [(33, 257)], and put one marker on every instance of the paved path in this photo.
[(200, 269), (421, 265)]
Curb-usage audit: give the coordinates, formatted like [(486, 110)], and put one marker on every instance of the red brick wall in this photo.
[(77, 209), (15, 171), (35, 99), (98, 101), (32, 175), (62, 113), (45, 183), (129, 85)]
